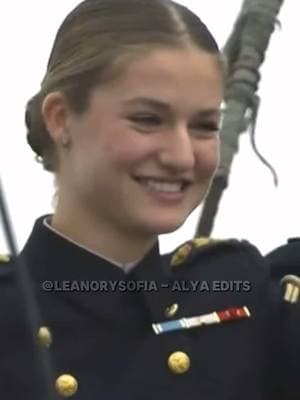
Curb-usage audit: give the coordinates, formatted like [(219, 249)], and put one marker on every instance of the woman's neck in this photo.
[(121, 246)]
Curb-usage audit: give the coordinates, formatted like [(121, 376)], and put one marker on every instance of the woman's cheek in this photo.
[(208, 158), (130, 152)]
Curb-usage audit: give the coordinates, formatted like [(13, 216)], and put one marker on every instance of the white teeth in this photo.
[(164, 186)]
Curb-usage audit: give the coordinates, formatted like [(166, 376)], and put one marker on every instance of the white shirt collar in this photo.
[(127, 267)]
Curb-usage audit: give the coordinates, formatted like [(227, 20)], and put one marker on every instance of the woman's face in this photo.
[(144, 153)]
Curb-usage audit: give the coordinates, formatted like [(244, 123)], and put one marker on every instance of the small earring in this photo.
[(65, 140), (38, 159)]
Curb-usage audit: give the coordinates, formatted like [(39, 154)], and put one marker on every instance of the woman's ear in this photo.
[(55, 112)]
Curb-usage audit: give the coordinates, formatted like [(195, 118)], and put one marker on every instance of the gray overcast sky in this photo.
[(252, 207)]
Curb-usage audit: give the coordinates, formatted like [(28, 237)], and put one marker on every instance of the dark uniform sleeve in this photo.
[(285, 271), (19, 372)]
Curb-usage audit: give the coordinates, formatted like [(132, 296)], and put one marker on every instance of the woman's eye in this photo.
[(209, 127), (146, 119)]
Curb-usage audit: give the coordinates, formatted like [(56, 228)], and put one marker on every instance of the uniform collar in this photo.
[(52, 257), (126, 267), (62, 258)]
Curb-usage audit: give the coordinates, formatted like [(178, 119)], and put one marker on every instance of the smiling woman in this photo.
[(102, 151), (127, 119), (87, 123)]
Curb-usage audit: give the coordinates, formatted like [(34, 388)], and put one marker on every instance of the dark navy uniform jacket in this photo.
[(103, 336), (285, 260)]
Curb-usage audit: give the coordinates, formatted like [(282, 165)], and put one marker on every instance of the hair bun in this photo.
[(28, 118), (30, 136)]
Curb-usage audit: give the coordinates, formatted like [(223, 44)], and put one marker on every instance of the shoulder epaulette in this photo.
[(285, 259), (5, 265), (187, 250), (4, 258)]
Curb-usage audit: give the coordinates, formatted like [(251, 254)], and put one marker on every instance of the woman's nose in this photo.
[(178, 150)]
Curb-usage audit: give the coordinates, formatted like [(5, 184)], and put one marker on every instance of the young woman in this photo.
[(127, 118)]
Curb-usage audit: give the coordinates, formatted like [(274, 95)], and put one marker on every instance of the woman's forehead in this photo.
[(162, 63), (162, 73)]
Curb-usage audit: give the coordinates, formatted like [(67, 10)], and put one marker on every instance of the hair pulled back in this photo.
[(93, 44)]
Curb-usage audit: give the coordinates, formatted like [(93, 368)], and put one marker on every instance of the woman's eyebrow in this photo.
[(162, 106)]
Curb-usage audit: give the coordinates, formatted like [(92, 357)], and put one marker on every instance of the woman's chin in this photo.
[(163, 226)]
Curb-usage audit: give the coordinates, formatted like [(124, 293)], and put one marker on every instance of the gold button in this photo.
[(44, 336), (171, 310), (179, 362), (66, 385)]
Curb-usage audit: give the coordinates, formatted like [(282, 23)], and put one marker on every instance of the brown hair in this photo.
[(93, 44)]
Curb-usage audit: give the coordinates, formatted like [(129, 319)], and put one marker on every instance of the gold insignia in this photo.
[(181, 254), (292, 288), (171, 310), (4, 258), (185, 250), (44, 336)]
